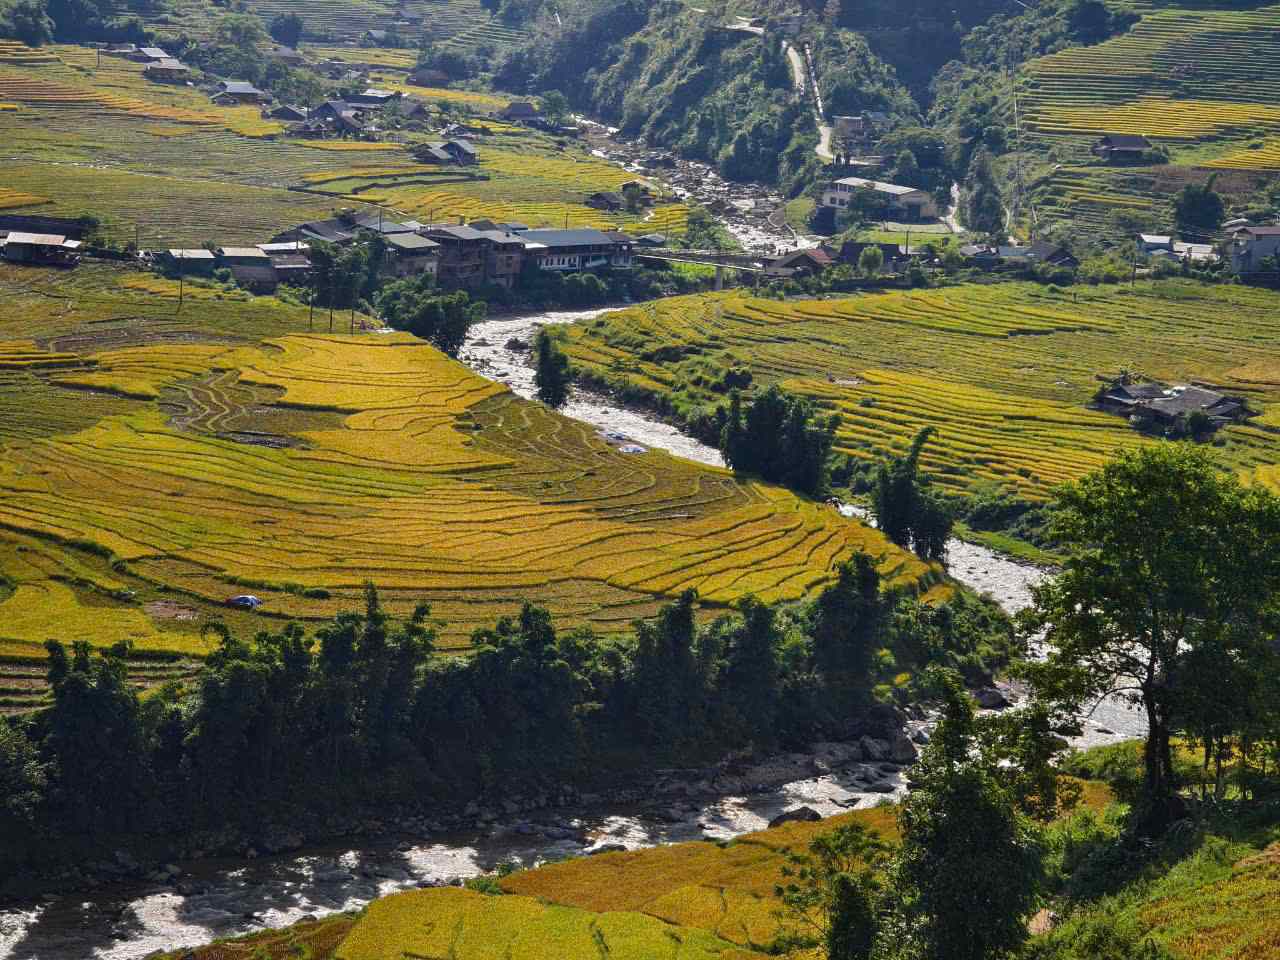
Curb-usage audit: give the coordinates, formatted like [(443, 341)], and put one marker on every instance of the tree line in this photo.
[(366, 711), (1169, 600)]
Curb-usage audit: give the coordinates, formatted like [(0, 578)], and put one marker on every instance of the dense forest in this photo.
[(287, 727)]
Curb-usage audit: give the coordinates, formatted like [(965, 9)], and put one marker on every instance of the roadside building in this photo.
[(1120, 146), (167, 71), (41, 249), (908, 204), (250, 267), (800, 263), (192, 263), (411, 255), (569, 251), (463, 254), (504, 257), (1150, 242), (1252, 247)]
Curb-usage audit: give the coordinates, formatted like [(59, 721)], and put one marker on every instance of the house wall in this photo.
[(1247, 256)]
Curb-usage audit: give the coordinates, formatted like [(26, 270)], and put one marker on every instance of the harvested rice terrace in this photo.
[(1004, 372), (201, 461)]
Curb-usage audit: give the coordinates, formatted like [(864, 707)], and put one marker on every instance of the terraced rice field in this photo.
[(1204, 83), (1004, 372), (188, 458)]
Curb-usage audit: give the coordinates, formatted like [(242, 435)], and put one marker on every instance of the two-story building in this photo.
[(411, 255), (908, 204), (569, 251), (1252, 245)]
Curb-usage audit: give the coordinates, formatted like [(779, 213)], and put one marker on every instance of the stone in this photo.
[(989, 698), (799, 814), (605, 848), (880, 786), (902, 750), (873, 749)]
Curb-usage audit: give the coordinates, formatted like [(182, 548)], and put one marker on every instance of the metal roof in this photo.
[(242, 253), (239, 86), (584, 237), (411, 241), (191, 254), (38, 239), (878, 186)]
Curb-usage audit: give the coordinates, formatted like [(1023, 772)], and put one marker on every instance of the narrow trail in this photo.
[(806, 84)]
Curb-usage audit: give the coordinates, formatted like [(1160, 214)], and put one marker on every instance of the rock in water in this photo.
[(989, 698), (799, 814)]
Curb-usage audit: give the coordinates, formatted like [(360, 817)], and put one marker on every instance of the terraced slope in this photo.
[(1004, 372), (217, 452), (1205, 83)]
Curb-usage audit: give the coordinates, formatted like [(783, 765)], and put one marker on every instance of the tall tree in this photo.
[(907, 509), (552, 374), (1171, 565), (1199, 211), (286, 28), (967, 874)]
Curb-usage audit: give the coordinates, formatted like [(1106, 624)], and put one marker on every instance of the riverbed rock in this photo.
[(990, 698), (902, 750), (873, 749), (605, 848), (880, 786), (798, 815)]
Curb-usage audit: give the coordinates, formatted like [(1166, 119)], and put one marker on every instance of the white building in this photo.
[(1251, 246), (905, 203)]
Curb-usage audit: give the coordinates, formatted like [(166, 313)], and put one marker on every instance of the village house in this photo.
[(374, 97), (339, 116), (518, 110), (907, 204), (851, 253), (1168, 408), (167, 71), (287, 113), (800, 263), (148, 55), (569, 251), (287, 55), (411, 255), (605, 200), (504, 258), (189, 262), (460, 152), (1120, 146), (429, 78), (231, 92), (40, 249), (250, 267), (1251, 247), (463, 254)]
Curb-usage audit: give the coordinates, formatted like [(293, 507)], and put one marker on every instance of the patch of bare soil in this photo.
[(170, 610)]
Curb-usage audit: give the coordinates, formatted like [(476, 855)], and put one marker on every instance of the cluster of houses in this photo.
[(462, 255), (1167, 408)]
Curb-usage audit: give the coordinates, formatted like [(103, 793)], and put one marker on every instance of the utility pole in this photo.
[(182, 273), (311, 316)]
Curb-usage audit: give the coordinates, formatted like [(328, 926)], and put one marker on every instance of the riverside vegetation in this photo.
[(1005, 374), (1162, 851)]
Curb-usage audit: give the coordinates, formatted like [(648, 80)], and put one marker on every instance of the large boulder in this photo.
[(873, 749), (989, 698), (902, 750), (799, 814)]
